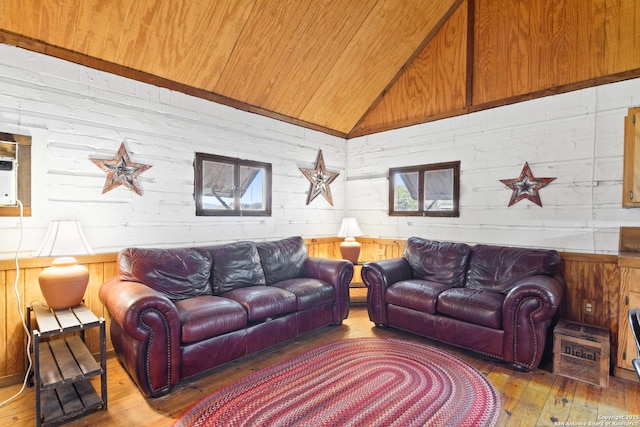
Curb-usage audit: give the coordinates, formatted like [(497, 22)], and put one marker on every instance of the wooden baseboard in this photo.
[(625, 374)]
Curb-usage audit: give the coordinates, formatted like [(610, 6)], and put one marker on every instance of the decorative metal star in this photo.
[(526, 186), (320, 180), (121, 171)]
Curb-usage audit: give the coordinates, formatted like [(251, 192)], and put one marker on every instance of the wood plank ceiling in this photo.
[(318, 63)]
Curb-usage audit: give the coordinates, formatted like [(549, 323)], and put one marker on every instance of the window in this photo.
[(425, 190), (226, 186)]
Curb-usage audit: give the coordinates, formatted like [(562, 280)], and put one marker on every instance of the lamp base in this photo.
[(350, 249), (64, 283)]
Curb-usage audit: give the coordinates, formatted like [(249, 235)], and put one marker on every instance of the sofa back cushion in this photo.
[(177, 273), (498, 268), (282, 259), (235, 265), (442, 262)]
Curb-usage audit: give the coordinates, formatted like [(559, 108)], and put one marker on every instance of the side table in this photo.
[(63, 367), (357, 290)]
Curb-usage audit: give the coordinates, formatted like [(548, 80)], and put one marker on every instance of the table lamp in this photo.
[(350, 248), (63, 283)]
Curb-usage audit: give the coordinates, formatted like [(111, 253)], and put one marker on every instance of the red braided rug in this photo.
[(357, 382)]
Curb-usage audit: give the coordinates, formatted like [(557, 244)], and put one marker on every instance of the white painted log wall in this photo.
[(576, 137), (74, 113)]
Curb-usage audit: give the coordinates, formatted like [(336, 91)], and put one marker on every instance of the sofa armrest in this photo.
[(337, 272), (145, 332), (528, 309), (377, 277)]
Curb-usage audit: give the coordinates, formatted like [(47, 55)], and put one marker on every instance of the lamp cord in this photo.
[(24, 322)]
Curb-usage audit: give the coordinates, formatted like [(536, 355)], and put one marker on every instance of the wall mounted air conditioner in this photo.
[(8, 181)]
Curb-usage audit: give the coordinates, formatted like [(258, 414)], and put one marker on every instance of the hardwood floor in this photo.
[(537, 398)]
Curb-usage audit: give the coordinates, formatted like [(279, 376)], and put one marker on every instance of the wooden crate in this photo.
[(581, 352)]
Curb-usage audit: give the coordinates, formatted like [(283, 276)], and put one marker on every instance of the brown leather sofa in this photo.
[(177, 313), (495, 300)]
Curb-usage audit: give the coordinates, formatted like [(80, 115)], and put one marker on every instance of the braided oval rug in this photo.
[(355, 382)]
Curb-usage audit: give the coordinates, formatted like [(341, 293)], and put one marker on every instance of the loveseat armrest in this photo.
[(145, 332), (336, 272), (527, 312), (377, 277)]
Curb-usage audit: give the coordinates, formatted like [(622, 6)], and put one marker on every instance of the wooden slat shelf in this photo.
[(52, 322), (66, 360), (69, 401)]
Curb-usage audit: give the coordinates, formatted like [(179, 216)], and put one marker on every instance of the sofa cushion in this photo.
[(263, 302), (420, 295), (282, 259), (209, 316), (309, 292), (177, 273), (443, 262), (498, 268), (236, 265), (473, 306)]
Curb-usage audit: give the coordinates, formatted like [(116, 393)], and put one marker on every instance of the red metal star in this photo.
[(121, 171), (526, 186), (320, 179)]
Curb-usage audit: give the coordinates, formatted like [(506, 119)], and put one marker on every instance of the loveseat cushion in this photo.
[(442, 262), (498, 268), (472, 305), (309, 292), (209, 316), (177, 273), (282, 259), (420, 295), (236, 265), (263, 302)]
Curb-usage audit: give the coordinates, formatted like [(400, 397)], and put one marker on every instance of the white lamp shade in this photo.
[(65, 238), (349, 228)]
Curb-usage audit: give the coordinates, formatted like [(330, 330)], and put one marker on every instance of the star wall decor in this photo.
[(121, 171), (320, 180), (526, 186)]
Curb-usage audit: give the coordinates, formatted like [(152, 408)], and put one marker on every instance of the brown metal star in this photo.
[(320, 179), (526, 186), (121, 171)]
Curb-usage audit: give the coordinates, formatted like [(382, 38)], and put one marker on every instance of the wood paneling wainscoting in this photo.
[(595, 280), (590, 278)]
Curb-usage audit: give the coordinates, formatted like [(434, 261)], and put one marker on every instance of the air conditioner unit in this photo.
[(8, 179)]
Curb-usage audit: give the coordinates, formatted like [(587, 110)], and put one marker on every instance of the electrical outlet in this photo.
[(589, 307)]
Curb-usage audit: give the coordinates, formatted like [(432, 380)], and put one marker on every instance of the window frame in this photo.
[(421, 169), (237, 164)]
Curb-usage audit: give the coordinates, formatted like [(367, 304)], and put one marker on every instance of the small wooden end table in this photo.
[(63, 367), (357, 289)]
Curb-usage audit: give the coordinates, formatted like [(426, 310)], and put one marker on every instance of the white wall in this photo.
[(75, 113), (576, 137)]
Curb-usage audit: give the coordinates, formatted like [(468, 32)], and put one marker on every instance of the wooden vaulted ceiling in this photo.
[(323, 64)]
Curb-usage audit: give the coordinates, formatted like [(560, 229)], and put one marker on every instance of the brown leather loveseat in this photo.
[(495, 300), (177, 313)]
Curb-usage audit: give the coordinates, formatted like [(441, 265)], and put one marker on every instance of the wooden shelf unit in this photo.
[(63, 365)]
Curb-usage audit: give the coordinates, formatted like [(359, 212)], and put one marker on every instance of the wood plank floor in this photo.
[(537, 398)]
